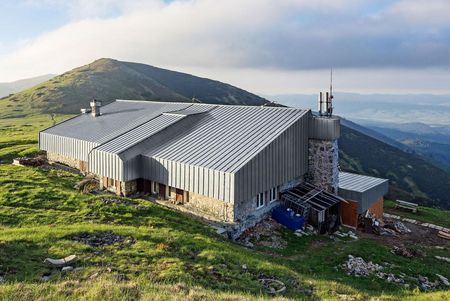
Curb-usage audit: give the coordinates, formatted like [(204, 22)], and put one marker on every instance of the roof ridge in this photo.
[(213, 104)]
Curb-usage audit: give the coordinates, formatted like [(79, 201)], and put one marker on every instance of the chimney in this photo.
[(95, 107)]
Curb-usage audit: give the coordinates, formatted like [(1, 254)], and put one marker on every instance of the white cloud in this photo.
[(267, 37)]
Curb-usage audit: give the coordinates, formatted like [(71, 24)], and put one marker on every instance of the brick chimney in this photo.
[(95, 107)]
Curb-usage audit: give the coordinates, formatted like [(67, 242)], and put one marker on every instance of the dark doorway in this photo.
[(162, 191)]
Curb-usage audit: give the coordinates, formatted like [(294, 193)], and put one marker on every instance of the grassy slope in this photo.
[(424, 214), (411, 177), (107, 80), (174, 256), (18, 136)]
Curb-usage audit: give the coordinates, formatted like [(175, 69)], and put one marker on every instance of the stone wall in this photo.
[(128, 188), (247, 216), (205, 205), (53, 157), (323, 164)]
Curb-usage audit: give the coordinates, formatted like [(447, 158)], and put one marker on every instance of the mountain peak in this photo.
[(109, 79)]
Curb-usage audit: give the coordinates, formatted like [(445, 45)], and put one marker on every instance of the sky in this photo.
[(267, 47)]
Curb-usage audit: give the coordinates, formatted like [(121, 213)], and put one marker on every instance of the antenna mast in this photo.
[(330, 99)]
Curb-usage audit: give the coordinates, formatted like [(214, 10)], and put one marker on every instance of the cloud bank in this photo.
[(286, 36)]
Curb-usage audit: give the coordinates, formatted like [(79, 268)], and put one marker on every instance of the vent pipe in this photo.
[(95, 107), (320, 103)]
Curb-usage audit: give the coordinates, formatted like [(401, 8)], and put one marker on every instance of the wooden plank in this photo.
[(400, 202), (444, 235)]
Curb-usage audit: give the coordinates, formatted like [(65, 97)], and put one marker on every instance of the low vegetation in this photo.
[(161, 254), (424, 214)]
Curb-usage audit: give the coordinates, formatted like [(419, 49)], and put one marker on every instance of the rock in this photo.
[(93, 276), (443, 280), (442, 258), (2, 280), (67, 269), (244, 267), (45, 278), (402, 251)]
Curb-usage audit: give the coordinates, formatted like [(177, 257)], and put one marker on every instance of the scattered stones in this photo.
[(359, 267), (402, 251), (117, 201), (425, 284), (349, 234), (442, 258), (93, 276), (273, 286), (443, 280), (45, 278), (244, 267), (401, 228), (67, 269), (100, 239), (264, 234), (34, 162)]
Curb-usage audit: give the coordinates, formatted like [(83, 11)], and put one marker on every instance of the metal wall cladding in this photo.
[(196, 179), (66, 146), (325, 128), (363, 189), (282, 160)]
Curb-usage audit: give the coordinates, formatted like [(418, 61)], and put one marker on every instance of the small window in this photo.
[(273, 194), (260, 200)]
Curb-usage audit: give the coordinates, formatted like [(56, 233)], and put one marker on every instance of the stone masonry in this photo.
[(323, 164), (218, 209), (52, 157)]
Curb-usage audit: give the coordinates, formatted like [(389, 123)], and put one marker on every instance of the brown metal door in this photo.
[(349, 211)]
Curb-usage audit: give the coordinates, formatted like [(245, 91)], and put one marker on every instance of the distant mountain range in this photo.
[(432, 142), (362, 150), (19, 85), (108, 79), (425, 108)]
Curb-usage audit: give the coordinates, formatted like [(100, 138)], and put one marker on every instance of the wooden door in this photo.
[(179, 196), (349, 213)]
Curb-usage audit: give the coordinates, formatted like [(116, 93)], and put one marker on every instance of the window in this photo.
[(273, 194), (260, 200)]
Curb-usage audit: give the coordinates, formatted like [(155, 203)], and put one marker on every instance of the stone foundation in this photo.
[(71, 162), (52, 157), (323, 164), (216, 208), (128, 188)]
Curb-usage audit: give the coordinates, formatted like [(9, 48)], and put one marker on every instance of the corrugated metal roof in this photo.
[(358, 183), (115, 119), (140, 133), (229, 137), (225, 139)]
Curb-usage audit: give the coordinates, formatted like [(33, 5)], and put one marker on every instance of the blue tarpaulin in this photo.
[(288, 218)]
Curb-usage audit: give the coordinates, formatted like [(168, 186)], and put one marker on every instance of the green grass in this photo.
[(424, 214), (19, 136), (173, 257)]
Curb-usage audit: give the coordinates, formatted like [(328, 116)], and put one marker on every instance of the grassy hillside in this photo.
[(164, 255), (411, 177), (19, 85), (108, 79)]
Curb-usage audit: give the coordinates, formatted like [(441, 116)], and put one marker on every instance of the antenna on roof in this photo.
[(325, 100)]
